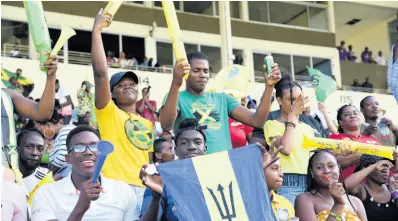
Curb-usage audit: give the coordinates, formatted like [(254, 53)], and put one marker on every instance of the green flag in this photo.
[(324, 85)]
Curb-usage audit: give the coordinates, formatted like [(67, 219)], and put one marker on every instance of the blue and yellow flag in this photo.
[(224, 186)]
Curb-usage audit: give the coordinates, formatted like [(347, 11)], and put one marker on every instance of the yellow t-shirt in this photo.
[(131, 148), (297, 162), (281, 202)]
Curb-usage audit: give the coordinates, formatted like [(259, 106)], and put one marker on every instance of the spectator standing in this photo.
[(117, 119), (365, 56), (145, 107), (351, 54), (63, 96), (84, 100), (342, 51), (371, 60), (355, 83), (380, 60), (367, 84)]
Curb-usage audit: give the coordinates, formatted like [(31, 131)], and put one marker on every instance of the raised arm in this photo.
[(346, 161), (168, 113), (329, 121), (258, 118), (98, 60), (44, 109)]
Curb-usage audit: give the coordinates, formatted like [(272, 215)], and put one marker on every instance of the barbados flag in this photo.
[(224, 186)]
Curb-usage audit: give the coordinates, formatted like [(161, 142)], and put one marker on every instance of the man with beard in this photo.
[(31, 146), (117, 118), (381, 129), (211, 109)]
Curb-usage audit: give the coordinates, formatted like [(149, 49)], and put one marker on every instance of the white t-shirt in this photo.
[(58, 152), (62, 94), (380, 60), (33, 179), (57, 201)]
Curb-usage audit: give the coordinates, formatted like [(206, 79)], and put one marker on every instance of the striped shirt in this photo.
[(58, 152), (392, 74), (32, 180)]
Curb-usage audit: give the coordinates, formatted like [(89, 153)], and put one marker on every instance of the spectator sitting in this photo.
[(31, 147), (367, 84), (15, 53), (380, 60), (109, 57), (134, 61), (355, 83), (150, 62), (365, 56), (146, 62), (124, 63), (342, 51), (351, 55), (106, 199)]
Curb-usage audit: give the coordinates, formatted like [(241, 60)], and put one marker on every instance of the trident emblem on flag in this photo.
[(228, 215)]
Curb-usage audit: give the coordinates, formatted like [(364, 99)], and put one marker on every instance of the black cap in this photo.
[(115, 79)]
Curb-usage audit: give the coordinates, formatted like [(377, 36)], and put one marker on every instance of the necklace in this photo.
[(325, 199)]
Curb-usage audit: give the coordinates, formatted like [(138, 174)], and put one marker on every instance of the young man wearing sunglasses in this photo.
[(74, 197)]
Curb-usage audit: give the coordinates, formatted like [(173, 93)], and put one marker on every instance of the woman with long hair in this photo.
[(325, 198), (288, 132), (374, 192), (348, 118)]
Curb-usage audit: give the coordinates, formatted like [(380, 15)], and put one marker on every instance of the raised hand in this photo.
[(180, 68), (51, 64), (153, 182), (337, 192), (389, 123), (274, 76), (299, 106), (101, 20), (383, 164), (370, 130), (270, 156)]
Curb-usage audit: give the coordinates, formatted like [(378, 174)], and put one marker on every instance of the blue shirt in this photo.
[(392, 74), (166, 209)]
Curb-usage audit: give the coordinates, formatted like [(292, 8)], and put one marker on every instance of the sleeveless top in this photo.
[(380, 211), (346, 216)]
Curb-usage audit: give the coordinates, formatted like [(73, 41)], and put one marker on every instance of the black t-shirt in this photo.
[(312, 122)]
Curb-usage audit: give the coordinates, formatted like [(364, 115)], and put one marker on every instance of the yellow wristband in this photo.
[(336, 216)]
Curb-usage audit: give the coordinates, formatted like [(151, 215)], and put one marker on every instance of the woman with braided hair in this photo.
[(325, 198), (348, 118), (288, 132)]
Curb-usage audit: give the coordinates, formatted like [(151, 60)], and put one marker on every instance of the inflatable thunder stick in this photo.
[(104, 149), (339, 146), (174, 30), (38, 29), (66, 33), (111, 9)]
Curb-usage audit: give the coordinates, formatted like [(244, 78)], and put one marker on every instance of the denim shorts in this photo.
[(293, 185)]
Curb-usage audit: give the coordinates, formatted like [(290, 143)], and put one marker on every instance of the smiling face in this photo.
[(274, 176), (324, 164), (190, 144), (31, 149), (83, 163), (199, 75), (350, 119), (371, 108), (126, 91)]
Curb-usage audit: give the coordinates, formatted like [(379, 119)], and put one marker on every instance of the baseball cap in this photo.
[(115, 79)]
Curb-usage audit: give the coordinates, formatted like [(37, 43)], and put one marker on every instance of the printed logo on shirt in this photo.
[(138, 134), (206, 114)]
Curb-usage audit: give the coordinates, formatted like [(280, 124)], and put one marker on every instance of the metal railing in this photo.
[(15, 51)]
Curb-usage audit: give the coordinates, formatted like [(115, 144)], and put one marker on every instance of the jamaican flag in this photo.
[(26, 83)]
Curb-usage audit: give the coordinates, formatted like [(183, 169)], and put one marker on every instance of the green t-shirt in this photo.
[(211, 109)]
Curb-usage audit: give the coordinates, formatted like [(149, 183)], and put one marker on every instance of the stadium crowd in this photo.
[(314, 185)]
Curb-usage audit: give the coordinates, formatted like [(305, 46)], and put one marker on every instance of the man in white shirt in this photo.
[(380, 60), (74, 197), (31, 147), (63, 96)]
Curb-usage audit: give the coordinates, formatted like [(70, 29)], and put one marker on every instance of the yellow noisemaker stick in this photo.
[(111, 9), (340, 146), (174, 30), (66, 33)]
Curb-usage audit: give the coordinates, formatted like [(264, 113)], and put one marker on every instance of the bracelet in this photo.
[(288, 123), (335, 215)]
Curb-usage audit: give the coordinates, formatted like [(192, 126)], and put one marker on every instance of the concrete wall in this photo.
[(376, 73)]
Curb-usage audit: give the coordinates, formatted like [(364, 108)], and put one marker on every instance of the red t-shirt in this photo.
[(238, 132), (147, 114), (362, 139)]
